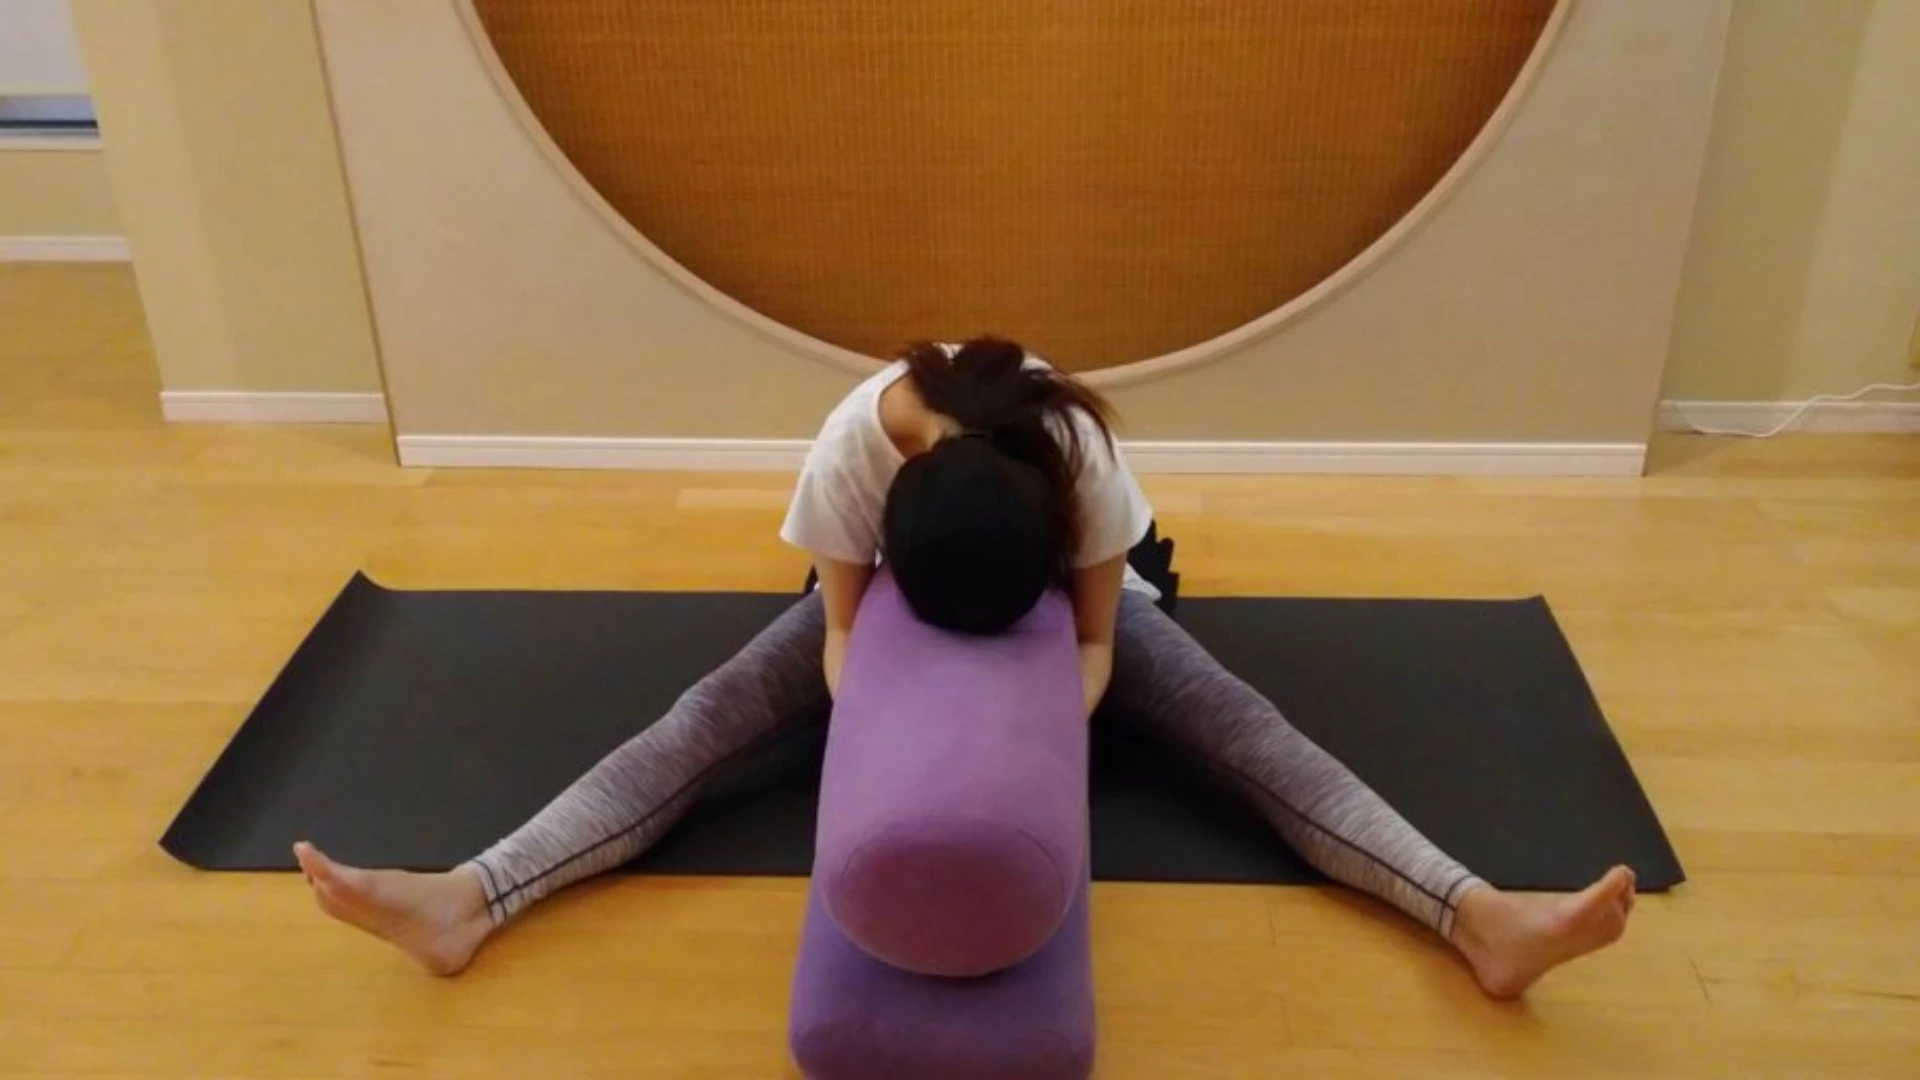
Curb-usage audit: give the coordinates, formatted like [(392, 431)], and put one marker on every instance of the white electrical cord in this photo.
[(1795, 415)]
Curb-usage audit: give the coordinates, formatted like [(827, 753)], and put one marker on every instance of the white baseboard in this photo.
[(243, 407), (786, 455), (1389, 458), (51, 142), (64, 249), (1824, 418), (569, 452)]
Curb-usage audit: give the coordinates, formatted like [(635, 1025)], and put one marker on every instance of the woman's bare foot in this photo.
[(438, 919), (1512, 939)]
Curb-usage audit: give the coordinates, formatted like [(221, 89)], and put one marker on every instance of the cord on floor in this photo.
[(1794, 416)]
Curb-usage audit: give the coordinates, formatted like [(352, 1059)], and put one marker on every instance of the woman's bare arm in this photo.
[(842, 584), (1096, 608)]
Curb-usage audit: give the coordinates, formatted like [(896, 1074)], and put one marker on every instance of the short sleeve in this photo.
[(821, 521), (841, 495), (1114, 512)]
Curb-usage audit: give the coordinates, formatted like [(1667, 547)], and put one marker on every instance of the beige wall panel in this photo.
[(1804, 275), (221, 147), (1533, 302), (56, 193)]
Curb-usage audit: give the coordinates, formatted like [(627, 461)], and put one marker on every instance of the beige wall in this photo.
[(1804, 273), (1535, 304), (228, 180), (55, 193)]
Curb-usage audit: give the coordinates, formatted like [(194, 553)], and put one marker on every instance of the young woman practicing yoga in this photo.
[(984, 477)]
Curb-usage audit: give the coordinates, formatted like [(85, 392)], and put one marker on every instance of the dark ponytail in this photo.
[(1025, 412), (980, 525)]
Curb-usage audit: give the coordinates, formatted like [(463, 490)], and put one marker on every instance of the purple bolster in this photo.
[(953, 810)]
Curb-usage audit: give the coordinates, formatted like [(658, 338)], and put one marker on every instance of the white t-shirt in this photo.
[(841, 499)]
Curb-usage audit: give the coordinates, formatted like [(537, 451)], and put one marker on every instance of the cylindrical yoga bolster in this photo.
[(953, 809)]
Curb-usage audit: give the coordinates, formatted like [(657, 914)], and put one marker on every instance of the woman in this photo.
[(985, 477)]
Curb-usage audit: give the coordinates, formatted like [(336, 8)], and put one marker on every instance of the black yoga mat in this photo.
[(412, 729)]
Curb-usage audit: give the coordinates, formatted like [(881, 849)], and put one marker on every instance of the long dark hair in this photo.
[(979, 526)]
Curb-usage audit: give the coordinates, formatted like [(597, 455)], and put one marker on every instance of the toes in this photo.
[(324, 871), (1605, 890), (1618, 881), (312, 863)]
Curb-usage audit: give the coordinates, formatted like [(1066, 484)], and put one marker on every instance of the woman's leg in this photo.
[(1163, 679), (611, 814)]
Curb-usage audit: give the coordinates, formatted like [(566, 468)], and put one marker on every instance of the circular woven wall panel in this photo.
[(1104, 180)]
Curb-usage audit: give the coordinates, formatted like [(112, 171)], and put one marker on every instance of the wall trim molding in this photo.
[(1822, 417), (786, 455), (1390, 458), (50, 142), (64, 249), (576, 452), (271, 407)]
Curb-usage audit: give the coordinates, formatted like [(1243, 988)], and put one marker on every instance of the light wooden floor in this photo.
[(1750, 616)]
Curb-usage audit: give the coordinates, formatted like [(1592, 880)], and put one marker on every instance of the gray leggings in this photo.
[(1162, 678)]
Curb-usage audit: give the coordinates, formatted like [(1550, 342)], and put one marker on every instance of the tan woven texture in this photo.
[(1103, 180)]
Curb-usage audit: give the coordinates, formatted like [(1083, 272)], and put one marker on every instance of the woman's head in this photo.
[(983, 523)]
